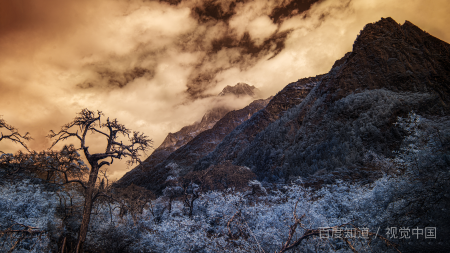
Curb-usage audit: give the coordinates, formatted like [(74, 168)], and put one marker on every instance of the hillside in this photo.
[(204, 144), (392, 70)]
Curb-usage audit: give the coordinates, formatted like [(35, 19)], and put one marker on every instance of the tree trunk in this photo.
[(87, 209), (63, 244)]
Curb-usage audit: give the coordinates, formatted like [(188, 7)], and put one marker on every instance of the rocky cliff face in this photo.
[(176, 140), (401, 58)]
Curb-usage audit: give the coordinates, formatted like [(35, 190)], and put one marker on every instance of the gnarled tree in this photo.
[(13, 134), (89, 121)]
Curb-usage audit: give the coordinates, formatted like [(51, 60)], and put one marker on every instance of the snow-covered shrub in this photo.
[(28, 204)]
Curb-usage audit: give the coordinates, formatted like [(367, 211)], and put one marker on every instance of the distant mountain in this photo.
[(181, 161), (292, 95), (240, 89), (174, 141)]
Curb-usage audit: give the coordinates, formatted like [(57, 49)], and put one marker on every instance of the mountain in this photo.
[(240, 89), (381, 115), (367, 142), (328, 122), (174, 141), (393, 69), (153, 175), (181, 161)]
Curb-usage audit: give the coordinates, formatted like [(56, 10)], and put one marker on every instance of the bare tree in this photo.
[(13, 134), (89, 121), (20, 232)]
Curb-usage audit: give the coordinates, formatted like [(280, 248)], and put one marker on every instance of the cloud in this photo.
[(261, 28), (157, 65)]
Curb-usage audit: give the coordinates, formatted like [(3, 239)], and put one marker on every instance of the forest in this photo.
[(51, 199)]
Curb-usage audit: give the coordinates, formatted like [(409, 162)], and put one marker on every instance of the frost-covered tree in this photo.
[(111, 130), (48, 173), (27, 217)]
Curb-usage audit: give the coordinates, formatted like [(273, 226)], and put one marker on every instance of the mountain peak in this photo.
[(386, 27), (240, 89), (387, 31)]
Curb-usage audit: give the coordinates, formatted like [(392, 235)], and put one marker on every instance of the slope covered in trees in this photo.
[(181, 161), (174, 141)]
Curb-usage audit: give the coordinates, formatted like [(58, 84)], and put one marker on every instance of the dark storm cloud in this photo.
[(114, 79), (171, 2), (247, 53), (214, 33), (292, 8), (213, 10), (248, 48)]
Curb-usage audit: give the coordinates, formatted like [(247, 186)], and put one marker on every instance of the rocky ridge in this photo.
[(181, 161)]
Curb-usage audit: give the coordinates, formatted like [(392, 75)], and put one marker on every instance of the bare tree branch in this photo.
[(14, 135), (230, 234), (20, 229)]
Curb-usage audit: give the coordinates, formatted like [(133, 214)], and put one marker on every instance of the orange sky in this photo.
[(154, 65)]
